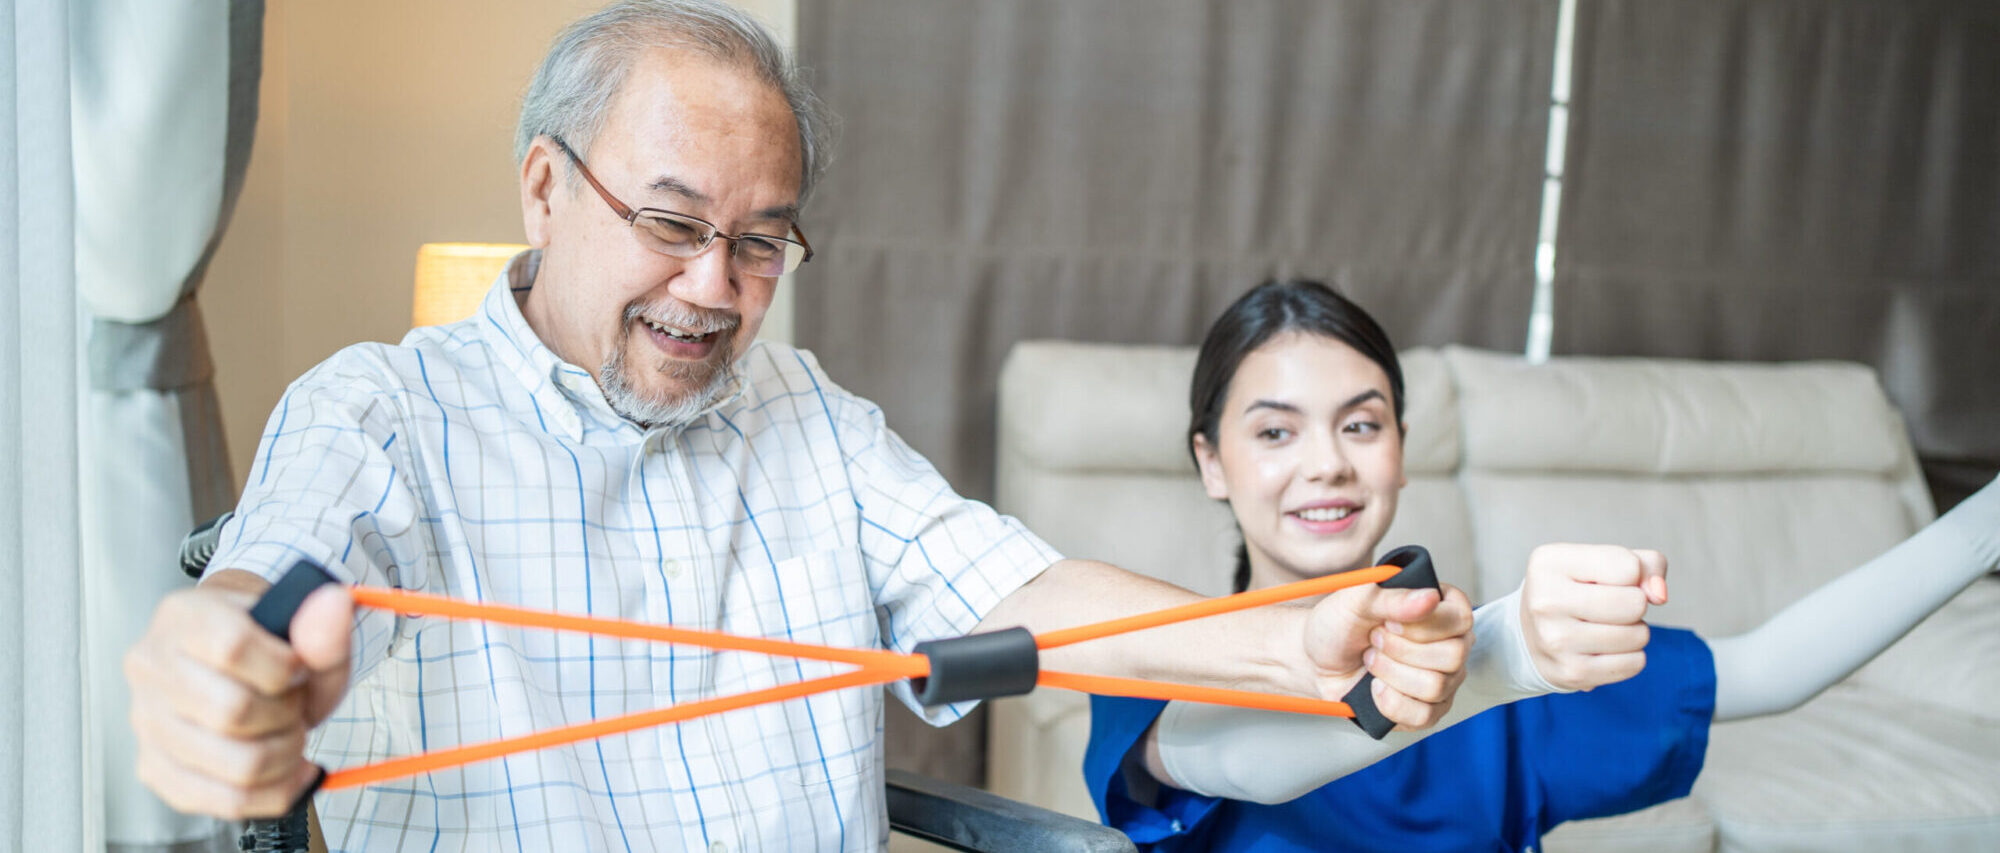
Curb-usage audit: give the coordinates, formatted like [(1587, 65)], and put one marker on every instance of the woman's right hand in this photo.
[(221, 708), (1583, 611)]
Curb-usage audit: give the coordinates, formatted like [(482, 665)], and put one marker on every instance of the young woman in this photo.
[(1297, 407)]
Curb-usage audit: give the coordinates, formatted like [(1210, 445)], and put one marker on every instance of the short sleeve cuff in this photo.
[(1693, 706), (268, 551), (1116, 726), (1022, 557)]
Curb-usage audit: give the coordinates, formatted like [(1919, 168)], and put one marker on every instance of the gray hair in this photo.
[(572, 91)]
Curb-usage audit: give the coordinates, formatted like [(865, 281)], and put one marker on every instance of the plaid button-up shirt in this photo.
[(472, 462)]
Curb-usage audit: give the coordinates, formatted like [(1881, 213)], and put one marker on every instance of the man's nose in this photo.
[(706, 280)]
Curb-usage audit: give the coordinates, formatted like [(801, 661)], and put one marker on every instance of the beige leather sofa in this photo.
[(1760, 482)]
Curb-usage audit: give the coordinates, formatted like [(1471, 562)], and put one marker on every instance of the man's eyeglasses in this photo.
[(681, 236)]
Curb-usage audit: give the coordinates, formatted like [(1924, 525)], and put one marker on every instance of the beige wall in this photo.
[(385, 124)]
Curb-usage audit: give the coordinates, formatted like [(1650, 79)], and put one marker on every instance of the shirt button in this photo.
[(673, 569), (718, 847)]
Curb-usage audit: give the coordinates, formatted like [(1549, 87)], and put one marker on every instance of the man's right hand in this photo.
[(221, 708)]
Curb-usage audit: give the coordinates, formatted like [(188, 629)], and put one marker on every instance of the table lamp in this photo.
[(452, 278)]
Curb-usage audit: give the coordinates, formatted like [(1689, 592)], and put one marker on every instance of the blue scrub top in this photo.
[(1494, 782)]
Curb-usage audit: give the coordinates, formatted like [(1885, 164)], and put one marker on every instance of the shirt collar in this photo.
[(565, 395)]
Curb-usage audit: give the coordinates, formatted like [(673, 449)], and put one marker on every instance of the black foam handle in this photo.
[(281, 602), (274, 613), (978, 666), (1417, 573)]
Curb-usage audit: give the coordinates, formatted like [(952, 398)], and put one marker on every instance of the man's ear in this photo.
[(1210, 464), (538, 185)]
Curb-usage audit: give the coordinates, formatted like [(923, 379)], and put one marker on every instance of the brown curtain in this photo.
[(1120, 170), (1786, 179)]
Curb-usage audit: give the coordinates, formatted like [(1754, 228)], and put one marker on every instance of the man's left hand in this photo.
[(1414, 641)]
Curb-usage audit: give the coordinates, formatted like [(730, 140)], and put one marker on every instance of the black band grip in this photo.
[(1417, 573), (273, 612), (304, 798), (978, 666), (281, 602)]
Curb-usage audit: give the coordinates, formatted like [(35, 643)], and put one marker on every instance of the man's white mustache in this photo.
[(696, 321)]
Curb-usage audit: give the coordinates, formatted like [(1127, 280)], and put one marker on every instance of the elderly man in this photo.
[(602, 437)]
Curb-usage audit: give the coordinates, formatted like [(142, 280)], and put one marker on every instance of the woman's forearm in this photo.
[(1270, 757)]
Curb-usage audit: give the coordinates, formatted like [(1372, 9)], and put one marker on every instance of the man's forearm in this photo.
[(237, 581), (1261, 649)]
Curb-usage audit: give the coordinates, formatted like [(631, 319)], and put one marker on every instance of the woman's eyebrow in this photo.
[(1363, 397), (1282, 406), (1278, 405)]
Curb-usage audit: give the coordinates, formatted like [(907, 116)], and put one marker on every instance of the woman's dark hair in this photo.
[(1268, 310)]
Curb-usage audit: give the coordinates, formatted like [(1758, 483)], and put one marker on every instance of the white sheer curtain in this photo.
[(163, 103), (44, 776)]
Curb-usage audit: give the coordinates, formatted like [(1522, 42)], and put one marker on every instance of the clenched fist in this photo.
[(1583, 611), (221, 708)]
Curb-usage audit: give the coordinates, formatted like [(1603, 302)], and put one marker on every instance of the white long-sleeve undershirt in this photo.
[(1271, 756), (1827, 635)]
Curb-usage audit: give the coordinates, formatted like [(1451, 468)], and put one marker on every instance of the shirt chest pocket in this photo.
[(819, 597)]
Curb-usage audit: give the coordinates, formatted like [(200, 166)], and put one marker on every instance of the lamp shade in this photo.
[(453, 277)]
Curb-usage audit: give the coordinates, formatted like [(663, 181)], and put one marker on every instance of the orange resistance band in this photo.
[(872, 666)]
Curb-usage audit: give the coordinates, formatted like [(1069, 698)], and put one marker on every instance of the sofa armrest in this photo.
[(1947, 661)]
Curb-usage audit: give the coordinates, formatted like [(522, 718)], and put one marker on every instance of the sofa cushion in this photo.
[(1430, 512), (1096, 407), (1856, 769), (1035, 747), (1432, 446), (1738, 547), (1675, 826), (1759, 481), (1659, 416), (1951, 661), (1161, 525)]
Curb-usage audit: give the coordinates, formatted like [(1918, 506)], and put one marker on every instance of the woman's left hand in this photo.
[(1583, 611)]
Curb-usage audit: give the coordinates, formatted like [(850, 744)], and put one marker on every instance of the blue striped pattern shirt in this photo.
[(471, 462)]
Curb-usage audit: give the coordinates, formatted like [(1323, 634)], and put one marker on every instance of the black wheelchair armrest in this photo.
[(965, 818), (199, 545)]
